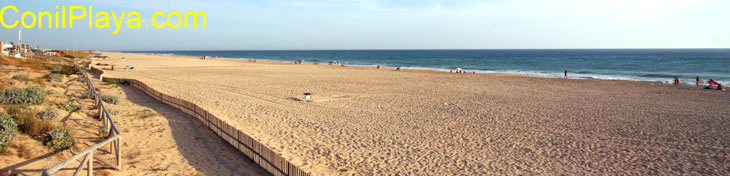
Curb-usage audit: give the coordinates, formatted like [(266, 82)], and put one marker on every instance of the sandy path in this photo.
[(159, 139), (368, 121)]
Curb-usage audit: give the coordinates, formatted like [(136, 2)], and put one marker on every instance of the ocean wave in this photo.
[(653, 78), (657, 75)]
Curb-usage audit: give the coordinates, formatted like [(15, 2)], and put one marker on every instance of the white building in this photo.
[(5, 48)]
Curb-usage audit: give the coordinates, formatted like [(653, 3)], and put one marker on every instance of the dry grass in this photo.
[(41, 63), (7, 61), (76, 54), (29, 123), (34, 64), (25, 151), (42, 81)]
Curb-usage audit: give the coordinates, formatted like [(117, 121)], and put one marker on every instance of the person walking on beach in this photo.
[(566, 73), (676, 82), (699, 81)]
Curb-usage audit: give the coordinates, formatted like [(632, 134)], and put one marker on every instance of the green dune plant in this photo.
[(55, 77), (110, 99), (21, 77), (48, 114), (87, 95), (58, 139), (28, 96), (69, 106), (54, 68), (8, 129)]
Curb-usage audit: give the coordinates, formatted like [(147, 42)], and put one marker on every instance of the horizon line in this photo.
[(410, 49)]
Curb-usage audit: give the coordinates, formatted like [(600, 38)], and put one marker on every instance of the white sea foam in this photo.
[(574, 75)]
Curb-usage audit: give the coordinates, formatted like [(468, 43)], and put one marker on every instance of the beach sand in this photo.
[(366, 121)]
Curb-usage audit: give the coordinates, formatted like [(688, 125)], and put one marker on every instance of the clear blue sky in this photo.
[(398, 24)]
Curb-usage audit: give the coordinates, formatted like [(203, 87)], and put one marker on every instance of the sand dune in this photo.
[(367, 121)]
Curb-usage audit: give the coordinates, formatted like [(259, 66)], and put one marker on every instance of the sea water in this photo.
[(653, 65)]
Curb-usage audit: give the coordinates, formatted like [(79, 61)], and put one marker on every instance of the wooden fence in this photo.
[(115, 139), (260, 154), (96, 71)]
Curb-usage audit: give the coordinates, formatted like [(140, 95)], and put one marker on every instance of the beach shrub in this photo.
[(55, 68), (11, 82), (115, 83), (48, 114), (55, 77), (8, 128), (51, 91), (103, 133), (21, 77), (110, 99), (87, 95), (28, 122), (58, 139), (69, 106), (66, 70), (16, 110), (79, 79), (28, 96)]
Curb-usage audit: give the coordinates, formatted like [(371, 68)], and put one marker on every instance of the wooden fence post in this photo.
[(90, 167), (119, 152)]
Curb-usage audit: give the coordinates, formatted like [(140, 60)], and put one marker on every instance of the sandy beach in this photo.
[(367, 121)]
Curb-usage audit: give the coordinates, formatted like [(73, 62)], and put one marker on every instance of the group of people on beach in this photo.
[(317, 62), (711, 84), (461, 71), (208, 57)]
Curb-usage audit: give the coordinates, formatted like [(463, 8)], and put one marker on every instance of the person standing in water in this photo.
[(566, 73), (698, 81), (676, 81)]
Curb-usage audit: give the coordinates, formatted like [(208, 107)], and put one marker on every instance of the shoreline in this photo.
[(439, 70)]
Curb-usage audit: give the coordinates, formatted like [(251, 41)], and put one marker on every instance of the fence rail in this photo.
[(115, 138), (259, 153)]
